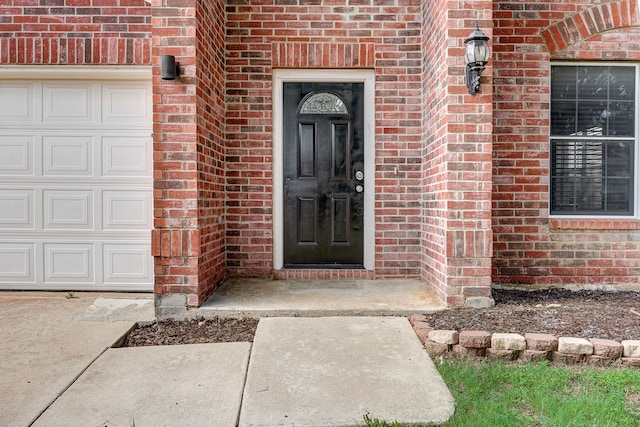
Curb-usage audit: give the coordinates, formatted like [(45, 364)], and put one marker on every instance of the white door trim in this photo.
[(324, 75)]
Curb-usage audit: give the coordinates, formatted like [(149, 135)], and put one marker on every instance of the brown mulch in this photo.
[(560, 312), (193, 331), (582, 314)]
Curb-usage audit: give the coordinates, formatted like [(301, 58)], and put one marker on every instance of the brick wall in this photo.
[(210, 88), (75, 32), (314, 34), (530, 248), (435, 73), (189, 150), (456, 156)]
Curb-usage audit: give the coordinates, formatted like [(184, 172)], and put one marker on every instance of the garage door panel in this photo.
[(68, 103), (17, 104), (125, 103), (126, 210), (126, 263), (67, 155), (126, 156), (76, 185), (70, 263), (17, 262), (68, 209), (17, 209), (16, 155)]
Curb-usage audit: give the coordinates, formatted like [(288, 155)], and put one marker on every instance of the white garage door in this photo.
[(76, 183)]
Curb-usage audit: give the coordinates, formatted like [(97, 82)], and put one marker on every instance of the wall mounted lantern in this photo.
[(169, 68), (476, 56)]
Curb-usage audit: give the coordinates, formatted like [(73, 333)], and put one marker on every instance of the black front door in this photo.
[(323, 175)]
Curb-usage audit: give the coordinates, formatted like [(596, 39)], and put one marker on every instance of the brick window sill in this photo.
[(594, 224)]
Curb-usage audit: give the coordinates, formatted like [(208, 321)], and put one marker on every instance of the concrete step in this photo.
[(262, 298)]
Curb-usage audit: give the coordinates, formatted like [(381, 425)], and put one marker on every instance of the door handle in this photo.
[(359, 188)]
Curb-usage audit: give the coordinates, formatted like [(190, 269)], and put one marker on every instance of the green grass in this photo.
[(541, 395), (538, 395)]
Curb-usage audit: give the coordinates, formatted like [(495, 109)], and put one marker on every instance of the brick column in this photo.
[(189, 176), (175, 243), (457, 236)]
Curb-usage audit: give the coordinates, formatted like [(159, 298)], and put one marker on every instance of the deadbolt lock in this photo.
[(359, 175)]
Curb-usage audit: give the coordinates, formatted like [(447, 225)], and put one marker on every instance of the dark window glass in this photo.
[(593, 140), (592, 177), (592, 100)]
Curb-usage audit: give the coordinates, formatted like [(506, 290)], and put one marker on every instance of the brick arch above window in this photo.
[(323, 55), (590, 22)]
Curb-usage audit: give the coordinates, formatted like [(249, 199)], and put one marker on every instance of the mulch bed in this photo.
[(560, 312), (193, 331)]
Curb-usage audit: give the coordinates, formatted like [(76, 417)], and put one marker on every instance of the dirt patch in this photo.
[(193, 331), (560, 312), (563, 313)]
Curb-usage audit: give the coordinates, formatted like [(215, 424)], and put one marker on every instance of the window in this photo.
[(323, 103), (593, 139)]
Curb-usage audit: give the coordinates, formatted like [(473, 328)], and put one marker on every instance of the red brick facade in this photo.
[(461, 181), (529, 247), (285, 34), (75, 32)]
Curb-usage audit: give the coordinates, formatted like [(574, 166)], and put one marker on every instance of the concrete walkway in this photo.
[(59, 369), (180, 385), (47, 341), (331, 371)]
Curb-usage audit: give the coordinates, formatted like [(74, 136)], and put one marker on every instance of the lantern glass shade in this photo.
[(477, 51), (476, 47)]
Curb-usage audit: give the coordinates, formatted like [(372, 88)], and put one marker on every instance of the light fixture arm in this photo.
[(472, 77)]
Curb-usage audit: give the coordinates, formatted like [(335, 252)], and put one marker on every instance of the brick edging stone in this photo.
[(529, 347)]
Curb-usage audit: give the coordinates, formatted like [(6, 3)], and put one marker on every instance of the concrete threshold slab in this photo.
[(119, 309), (264, 298), (182, 385), (332, 371)]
